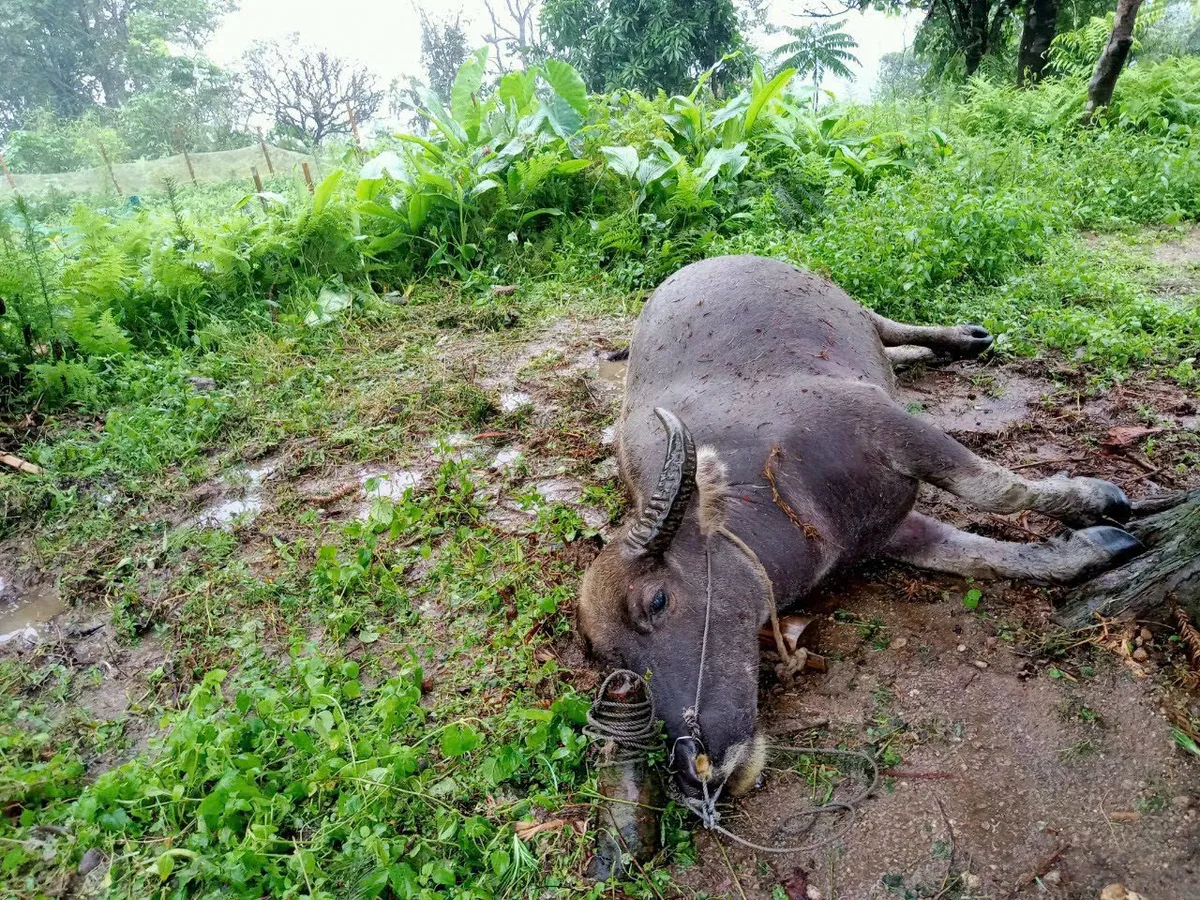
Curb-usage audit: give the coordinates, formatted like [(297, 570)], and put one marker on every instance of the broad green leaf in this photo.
[(545, 211), (488, 184), (764, 95), (434, 150), (517, 90), (328, 305), (458, 739), (622, 160), (165, 865), (325, 190), (571, 166), (562, 117), (732, 157), (418, 211), (567, 84), (464, 93), (432, 109)]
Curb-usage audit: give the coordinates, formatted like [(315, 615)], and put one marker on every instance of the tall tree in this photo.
[(1037, 34), (515, 35), (644, 45), (71, 55), (307, 91), (443, 49), (1112, 59), (816, 50)]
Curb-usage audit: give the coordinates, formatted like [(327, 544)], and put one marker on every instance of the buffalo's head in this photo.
[(644, 604)]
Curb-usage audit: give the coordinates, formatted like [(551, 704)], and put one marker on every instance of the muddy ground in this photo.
[(1021, 762)]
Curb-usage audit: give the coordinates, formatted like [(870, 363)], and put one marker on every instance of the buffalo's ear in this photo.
[(712, 485)]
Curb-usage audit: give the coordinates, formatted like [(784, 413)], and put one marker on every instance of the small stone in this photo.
[(1052, 877), (813, 894), (972, 881), (980, 664), (1183, 801), (1140, 655), (991, 641), (899, 643), (1146, 635), (202, 384), (90, 861), (1113, 892), (962, 648)]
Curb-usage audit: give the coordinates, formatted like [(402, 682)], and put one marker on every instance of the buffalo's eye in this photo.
[(659, 603)]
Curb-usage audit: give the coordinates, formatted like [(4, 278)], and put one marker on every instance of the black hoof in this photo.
[(976, 341), (1119, 544), (1115, 506)]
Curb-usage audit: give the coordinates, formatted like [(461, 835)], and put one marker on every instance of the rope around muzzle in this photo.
[(629, 729)]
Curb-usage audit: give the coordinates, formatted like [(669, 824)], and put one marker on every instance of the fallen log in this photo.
[(1167, 574)]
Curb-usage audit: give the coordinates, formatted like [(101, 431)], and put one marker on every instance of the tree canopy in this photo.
[(70, 56), (646, 45), (308, 92)]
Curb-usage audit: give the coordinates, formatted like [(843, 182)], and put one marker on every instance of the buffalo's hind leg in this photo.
[(923, 451), (958, 341), (929, 544)]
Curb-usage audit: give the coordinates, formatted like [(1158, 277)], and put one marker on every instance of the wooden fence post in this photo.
[(308, 177), (262, 143), (12, 182), (108, 165), (187, 159), (258, 186), (354, 125)]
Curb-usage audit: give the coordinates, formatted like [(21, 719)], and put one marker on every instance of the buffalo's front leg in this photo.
[(929, 544)]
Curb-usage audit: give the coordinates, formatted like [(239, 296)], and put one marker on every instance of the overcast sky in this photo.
[(386, 36)]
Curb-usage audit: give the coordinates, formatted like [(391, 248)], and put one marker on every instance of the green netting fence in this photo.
[(147, 176)]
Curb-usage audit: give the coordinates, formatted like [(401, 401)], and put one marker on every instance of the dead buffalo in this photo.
[(785, 457)]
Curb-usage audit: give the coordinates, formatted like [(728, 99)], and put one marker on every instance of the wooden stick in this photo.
[(108, 164), (187, 159), (12, 182), (258, 186), (308, 176), (262, 143), (19, 464), (353, 125)]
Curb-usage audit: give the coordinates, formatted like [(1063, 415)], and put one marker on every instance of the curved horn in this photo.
[(658, 521)]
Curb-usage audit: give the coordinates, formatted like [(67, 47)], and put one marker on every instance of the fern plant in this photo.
[(818, 49)]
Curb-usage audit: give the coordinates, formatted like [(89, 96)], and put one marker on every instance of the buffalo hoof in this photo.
[(1100, 501), (1118, 544), (975, 341)]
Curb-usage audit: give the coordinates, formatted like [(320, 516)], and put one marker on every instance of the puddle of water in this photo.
[(511, 401), (22, 609), (224, 512), (613, 371), (227, 511), (391, 484), (559, 490), (506, 459)]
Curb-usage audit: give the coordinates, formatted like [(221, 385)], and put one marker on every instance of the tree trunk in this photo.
[(976, 28), (1041, 25), (1116, 51), (1168, 573)]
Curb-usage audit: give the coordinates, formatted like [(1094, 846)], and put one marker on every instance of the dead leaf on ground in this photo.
[(1123, 437), (796, 885)]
